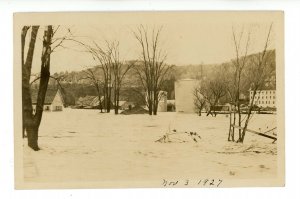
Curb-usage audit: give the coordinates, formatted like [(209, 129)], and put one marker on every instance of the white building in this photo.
[(53, 100), (184, 95), (162, 100), (264, 98)]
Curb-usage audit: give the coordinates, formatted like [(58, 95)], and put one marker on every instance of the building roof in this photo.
[(50, 94), (87, 100), (187, 79)]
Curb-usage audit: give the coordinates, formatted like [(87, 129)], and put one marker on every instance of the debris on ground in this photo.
[(175, 136), (135, 110)]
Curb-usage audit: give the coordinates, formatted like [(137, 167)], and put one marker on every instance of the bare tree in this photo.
[(105, 63), (119, 69), (260, 68), (210, 91), (32, 120), (92, 76), (26, 72), (232, 99), (241, 52), (152, 71), (199, 99), (104, 58), (114, 70), (216, 86)]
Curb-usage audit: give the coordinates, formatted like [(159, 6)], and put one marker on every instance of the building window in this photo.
[(47, 108), (58, 108), (273, 97)]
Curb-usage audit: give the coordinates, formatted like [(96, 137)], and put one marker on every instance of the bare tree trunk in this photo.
[(108, 98), (234, 120), (212, 108), (149, 100), (239, 120), (238, 104), (232, 134), (201, 107), (99, 96), (100, 103), (32, 136), (44, 79), (23, 37), (155, 102), (116, 100), (28, 119), (104, 97), (150, 107), (248, 117), (150, 104), (229, 132), (32, 122)]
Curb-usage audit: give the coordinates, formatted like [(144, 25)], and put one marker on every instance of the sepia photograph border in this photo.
[(61, 18)]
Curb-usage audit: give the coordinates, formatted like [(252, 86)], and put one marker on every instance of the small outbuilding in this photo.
[(162, 101)]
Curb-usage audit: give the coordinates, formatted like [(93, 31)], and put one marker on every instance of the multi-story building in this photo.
[(264, 98)]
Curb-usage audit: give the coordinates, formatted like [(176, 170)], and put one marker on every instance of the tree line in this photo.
[(151, 70), (150, 67), (245, 72)]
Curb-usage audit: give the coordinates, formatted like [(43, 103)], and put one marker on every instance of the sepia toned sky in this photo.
[(186, 37)]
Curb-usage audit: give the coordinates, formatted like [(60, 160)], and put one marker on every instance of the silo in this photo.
[(184, 95), (162, 102)]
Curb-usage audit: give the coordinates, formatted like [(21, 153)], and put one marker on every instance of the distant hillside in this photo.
[(75, 85), (196, 71)]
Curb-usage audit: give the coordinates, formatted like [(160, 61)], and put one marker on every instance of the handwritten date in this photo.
[(200, 183)]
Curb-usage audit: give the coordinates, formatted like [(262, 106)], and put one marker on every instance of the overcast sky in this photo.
[(188, 38)]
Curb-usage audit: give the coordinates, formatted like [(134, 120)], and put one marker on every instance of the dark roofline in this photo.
[(50, 95)]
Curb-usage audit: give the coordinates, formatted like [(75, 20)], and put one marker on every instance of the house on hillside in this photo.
[(265, 97), (53, 100)]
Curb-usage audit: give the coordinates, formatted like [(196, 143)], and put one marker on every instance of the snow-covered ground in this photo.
[(85, 145)]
